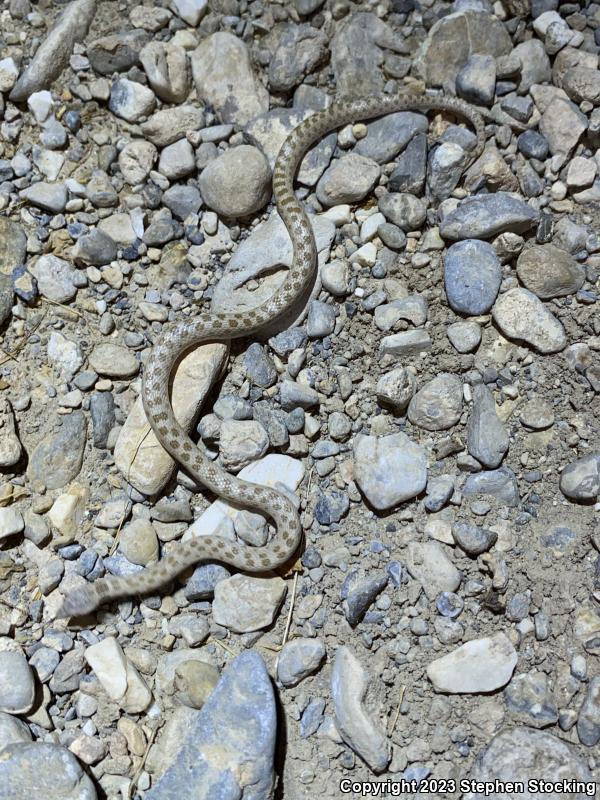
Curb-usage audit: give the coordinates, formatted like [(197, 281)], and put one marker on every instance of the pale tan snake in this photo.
[(211, 327)]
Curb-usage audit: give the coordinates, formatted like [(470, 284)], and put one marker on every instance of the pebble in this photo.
[(118, 676), (549, 272), (131, 100), (390, 135), (472, 539), (170, 124), (588, 719), (580, 480), (429, 564), (166, 65), (472, 277), (239, 721), (298, 659), (487, 437), (113, 360), (465, 337), (348, 180), (438, 404), (481, 665), (487, 215), (50, 197), (358, 727), (243, 603), (498, 483), (396, 389), (361, 594), (300, 50), (57, 459), (10, 446), (389, 469), (529, 699), (521, 315), (237, 183), (43, 768), (17, 685), (190, 11), (116, 52), (404, 210)]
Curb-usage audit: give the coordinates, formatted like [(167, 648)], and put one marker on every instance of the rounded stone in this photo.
[(438, 404), (17, 685), (549, 272), (521, 315), (472, 276), (237, 183), (389, 469), (348, 180)]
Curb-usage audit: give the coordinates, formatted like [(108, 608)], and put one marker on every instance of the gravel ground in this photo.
[(431, 404)]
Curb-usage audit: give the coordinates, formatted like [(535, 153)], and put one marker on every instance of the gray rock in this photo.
[(438, 404), (331, 507), (396, 389), (472, 276), (55, 278), (50, 197), (404, 210), (480, 665), (13, 245), (177, 160), (293, 395), (472, 539), (446, 165), (498, 483), (518, 753), (170, 124), (321, 319), (389, 469), (58, 457), (52, 771), (348, 180), (300, 50), (562, 125), (361, 594), (182, 200), (102, 410), (465, 337), (521, 315), (130, 100), (358, 728), (529, 699), (166, 65), (237, 183), (406, 344), (117, 52), (201, 585), (580, 480), (12, 730), (17, 686), (190, 11), (298, 659), (476, 81), (411, 168), (388, 136), (429, 564), (487, 437), (439, 491), (549, 272), (487, 215), (588, 719), (94, 249), (52, 55), (224, 77), (239, 722)]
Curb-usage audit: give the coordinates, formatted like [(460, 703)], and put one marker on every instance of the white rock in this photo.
[(190, 11), (245, 603), (521, 315), (120, 679), (67, 512), (11, 522), (481, 665), (40, 104), (8, 74)]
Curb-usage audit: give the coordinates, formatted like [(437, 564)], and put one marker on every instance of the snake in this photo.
[(209, 327)]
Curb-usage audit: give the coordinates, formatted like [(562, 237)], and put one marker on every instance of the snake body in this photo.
[(210, 327)]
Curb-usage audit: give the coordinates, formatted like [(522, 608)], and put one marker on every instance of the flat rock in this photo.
[(521, 315), (438, 404), (17, 685), (244, 603), (13, 245), (229, 745), (481, 665), (487, 215), (298, 659), (146, 465), (358, 728), (580, 480), (389, 469), (429, 564), (487, 437), (57, 459), (500, 484)]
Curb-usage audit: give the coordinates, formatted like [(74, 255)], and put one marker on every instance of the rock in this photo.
[(472, 276), (389, 469), (396, 389), (224, 77), (582, 84), (139, 542), (10, 446), (31, 768), (438, 404), (358, 728), (13, 245), (12, 730), (498, 483), (481, 665), (476, 80), (113, 360), (580, 480), (404, 210), (17, 685), (321, 319), (117, 52), (549, 272), (237, 183), (300, 50), (182, 201), (190, 11), (244, 603), (348, 180), (171, 124), (149, 467), (11, 522), (8, 74), (166, 66), (562, 125), (521, 315), (92, 249), (118, 676), (410, 171), (535, 64), (406, 344), (529, 698), (428, 563), (241, 442), (517, 753), (487, 215), (465, 337), (453, 40), (298, 659), (177, 160), (130, 100), (588, 719), (50, 197), (57, 459), (228, 747), (472, 539), (361, 594), (390, 135), (487, 437), (53, 54), (136, 160)]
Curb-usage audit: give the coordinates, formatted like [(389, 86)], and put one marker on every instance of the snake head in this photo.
[(78, 602)]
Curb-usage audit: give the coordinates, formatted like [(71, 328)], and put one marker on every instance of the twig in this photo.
[(393, 728), (224, 646), (138, 772), (10, 354), (291, 611)]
